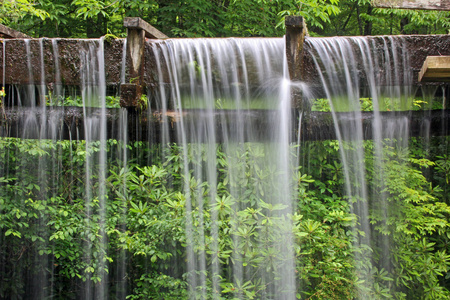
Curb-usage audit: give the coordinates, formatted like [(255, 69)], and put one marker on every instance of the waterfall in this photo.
[(93, 90), (220, 196), (238, 75), (341, 73)]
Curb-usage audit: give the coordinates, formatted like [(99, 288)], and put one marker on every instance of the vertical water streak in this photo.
[(121, 282), (173, 96), (3, 127), (93, 87), (4, 61), (124, 62), (85, 94), (42, 86), (335, 61), (378, 128), (31, 96), (57, 94), (55, 123), (407, 82), (394, 134), (162, 97), (30, 126), (46, 168), (103, 293), (284, 125)]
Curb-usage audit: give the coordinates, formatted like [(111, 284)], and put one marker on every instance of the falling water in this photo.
[(44, 164), (57, 88), (235, 74), (239, 176), (30, 97), (344, 65), (121, 289), (4, 61), (93, 90)]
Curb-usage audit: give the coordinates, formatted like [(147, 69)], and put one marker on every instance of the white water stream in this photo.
[(206, 76)]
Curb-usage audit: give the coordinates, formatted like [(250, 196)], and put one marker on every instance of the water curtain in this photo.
[(239, 75), (237, 207)]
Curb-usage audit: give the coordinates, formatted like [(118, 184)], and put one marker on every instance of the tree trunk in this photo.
[(96, 28), (368, 26), (403, 23), (358, 16)]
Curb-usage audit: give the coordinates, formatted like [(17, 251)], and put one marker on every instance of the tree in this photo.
[(15, 10), (360, 18)]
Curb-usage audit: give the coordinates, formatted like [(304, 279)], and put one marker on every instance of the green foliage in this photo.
[(48, 222), (315, 12), (154, 230), (413, 215), (215, 18), (110, 101), (14, 11), (159, 286), (360, 18), (414, 21)]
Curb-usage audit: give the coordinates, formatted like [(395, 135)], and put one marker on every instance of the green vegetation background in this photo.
[(215, 18)]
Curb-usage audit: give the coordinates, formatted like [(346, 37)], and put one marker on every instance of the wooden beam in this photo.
[(413, 4), (9, 33), (435, 68), (150, 31)]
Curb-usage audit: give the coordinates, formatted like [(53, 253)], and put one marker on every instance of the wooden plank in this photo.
[(435, 68), (9, 33), (150, 31), (413, 4)]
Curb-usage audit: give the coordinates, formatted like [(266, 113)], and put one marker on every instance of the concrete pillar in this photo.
[(137, 31), (295, 37)]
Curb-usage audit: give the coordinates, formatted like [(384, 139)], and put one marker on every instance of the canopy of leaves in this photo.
[(215, 18)]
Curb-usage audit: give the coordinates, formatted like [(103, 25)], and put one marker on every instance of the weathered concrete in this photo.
[(295, 37), (69, 122), (141, 72), (16, 70), (137, 31), (135, 56), (16, 67), (418, 47), (130, 95)]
